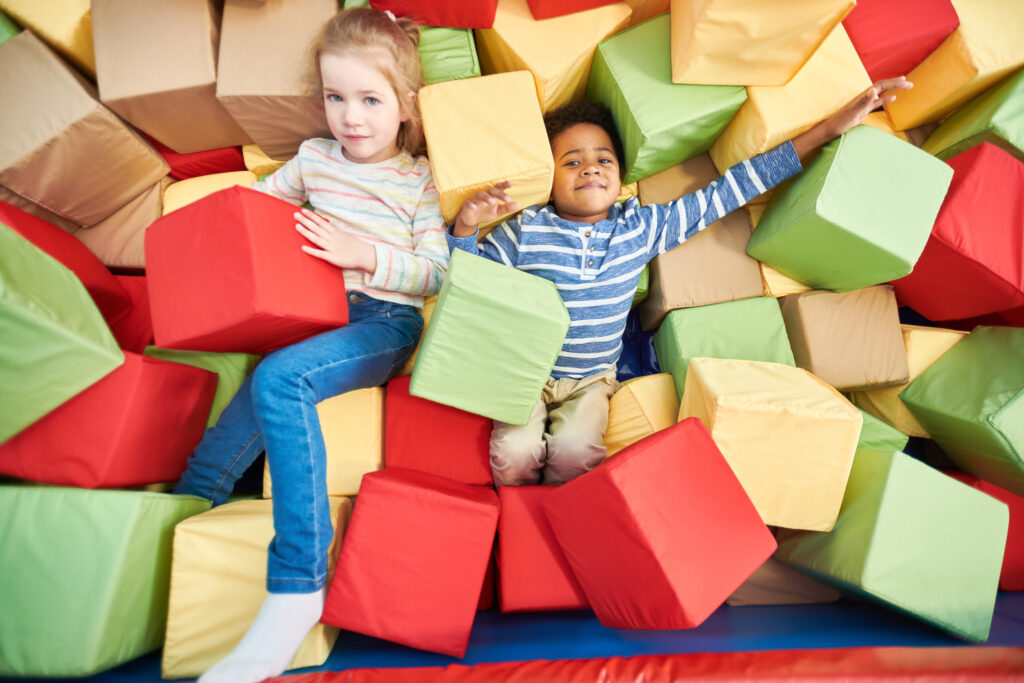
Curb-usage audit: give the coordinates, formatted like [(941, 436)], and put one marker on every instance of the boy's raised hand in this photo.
[(484, 207)]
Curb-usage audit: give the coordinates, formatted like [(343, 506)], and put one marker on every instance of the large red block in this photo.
[(227, 273), (1011, 577), (973, 263), (414, 560), (431, 437), (193, 164), (892, 38), (135, 426), (660, 535), (546, 9), (134, 332), (533, 573), (453, 13)]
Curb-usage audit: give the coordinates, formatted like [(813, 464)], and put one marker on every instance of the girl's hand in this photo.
[(484, 207), (335, 246)]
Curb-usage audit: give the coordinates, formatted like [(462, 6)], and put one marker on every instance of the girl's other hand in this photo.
[(334, 245), (484, 207)]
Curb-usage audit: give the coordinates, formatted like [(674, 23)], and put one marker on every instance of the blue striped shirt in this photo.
[(597, 267)]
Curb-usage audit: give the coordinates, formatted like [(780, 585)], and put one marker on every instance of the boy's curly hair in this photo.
[(584, 111)]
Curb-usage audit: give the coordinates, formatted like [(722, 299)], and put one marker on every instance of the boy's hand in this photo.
[(484, 207), (335, 246)]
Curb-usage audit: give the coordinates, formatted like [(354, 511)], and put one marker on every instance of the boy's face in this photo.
[(587, 179)]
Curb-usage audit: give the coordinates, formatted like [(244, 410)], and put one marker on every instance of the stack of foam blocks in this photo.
[(141, 280)]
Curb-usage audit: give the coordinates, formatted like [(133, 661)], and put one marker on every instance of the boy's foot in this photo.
[(271, 642)]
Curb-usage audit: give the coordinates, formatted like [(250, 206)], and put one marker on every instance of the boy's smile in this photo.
[(587, 180)]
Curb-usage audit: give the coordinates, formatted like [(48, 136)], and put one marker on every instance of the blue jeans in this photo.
[(275, 410)]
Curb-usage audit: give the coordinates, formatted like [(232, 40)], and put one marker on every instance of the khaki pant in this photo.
[(577, 410)]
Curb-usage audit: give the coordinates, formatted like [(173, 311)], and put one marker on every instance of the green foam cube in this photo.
[(859, 215), (8, 29), (995, 116), (493, 338), (913, 539), (880, 436), (86, 575), (661, 123), (971, 402)]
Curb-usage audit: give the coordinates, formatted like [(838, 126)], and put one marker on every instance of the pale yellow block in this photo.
[(627, 191), (788, 436), (353, 427), (481, 131), (773, 114), (557, 51), (924, 346), (881, 121), (257, 161), (184, 192), (776, 583), (218, 582), (65, 25), (646, 9), (641, 407), (988, 45), (775, 283), (427, 310), (738, 42)]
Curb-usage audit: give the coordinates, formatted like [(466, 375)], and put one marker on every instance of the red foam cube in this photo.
[(134, 332), (892, 38), (1011, 578), (660, 535), (414, 559), (227, 273), (194, 164), (972, 264), (135, 426), (546, 9), (453, 13), (533, 572), (420, 434)]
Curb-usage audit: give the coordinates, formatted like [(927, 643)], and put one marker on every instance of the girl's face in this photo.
[(362, 108)]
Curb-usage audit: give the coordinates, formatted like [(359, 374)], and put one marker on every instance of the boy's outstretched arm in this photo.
[(484, 207)]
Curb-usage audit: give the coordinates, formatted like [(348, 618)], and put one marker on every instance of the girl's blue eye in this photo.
[(333, 97), (372, 100)]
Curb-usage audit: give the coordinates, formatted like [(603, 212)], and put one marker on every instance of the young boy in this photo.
[(594, 251)]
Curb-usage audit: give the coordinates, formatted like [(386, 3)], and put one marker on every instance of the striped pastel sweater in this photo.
[(393, 205), (597, 267)]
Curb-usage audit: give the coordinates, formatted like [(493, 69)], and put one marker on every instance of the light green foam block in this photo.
[(747, 329), (492, 341), (661, 123), (8, 29), (913, 539), (971, 401), (85, 576), (995, 116), (54, 341), (880, 436), (859, 215)]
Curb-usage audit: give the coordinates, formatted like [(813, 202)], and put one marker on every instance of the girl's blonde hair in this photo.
[(389, 45)]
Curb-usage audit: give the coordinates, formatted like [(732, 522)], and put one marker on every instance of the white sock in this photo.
[(272, 640)]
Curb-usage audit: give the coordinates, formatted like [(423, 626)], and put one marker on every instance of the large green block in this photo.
[(747, 329), (8, 29), (661, 123), (84, 576), (880, 436), (913, 539), (971, 401), (493, 338), (54, 342), (231, 370), (995, 116), (859, 215)]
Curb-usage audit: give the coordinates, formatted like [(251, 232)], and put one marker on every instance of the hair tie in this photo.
[(391, 15)]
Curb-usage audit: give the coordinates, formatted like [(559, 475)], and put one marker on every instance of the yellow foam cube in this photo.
[(736, 42), (789, 437), (640, 407), (218, 582), (184, 192), (557, 51), (427, 310), (775, 283), (259, 162), (64, 25), (646, 9)]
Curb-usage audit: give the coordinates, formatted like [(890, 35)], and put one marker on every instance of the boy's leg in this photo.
[(579, 421), (518, 452)]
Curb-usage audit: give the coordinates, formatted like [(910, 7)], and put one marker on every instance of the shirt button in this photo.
[(591, 248), (586, 234), (590, 262)]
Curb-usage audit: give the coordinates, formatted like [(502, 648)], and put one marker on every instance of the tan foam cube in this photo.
[(118, 241)]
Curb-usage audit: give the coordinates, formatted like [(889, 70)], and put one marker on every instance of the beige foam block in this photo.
[(427, 310), (776, 583), (156, 65), (736, 42), (771, 115), (640, 407), (262, 64), (353, 427), (924, 346), (557, 51), (773, 282), (259, 162), (186, 191), (78, 161), (672, 183), (481, 131), (118, 241), (789, 437), (65, 25), (918, 135), (15, 199), (986, 47), (218, 582)]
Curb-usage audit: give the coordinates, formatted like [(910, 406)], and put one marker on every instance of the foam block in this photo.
[(517, 323), (222, 160), (655, 507), (454, 13), (427, 311), (118, 240), (107, 603), (231, 370), (8, 29), (646, 9), (1011, 577), (788, 436), (971, 401), (661, 123), (226, 273), (533, 573), (773, 282), (65, 26), (993, 116), (640, 407), (776, 583), (184, 192), (135, 332), (912, 539), (414, 560), (749, 329), (971, 265), (859, 215), (877, 435)]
